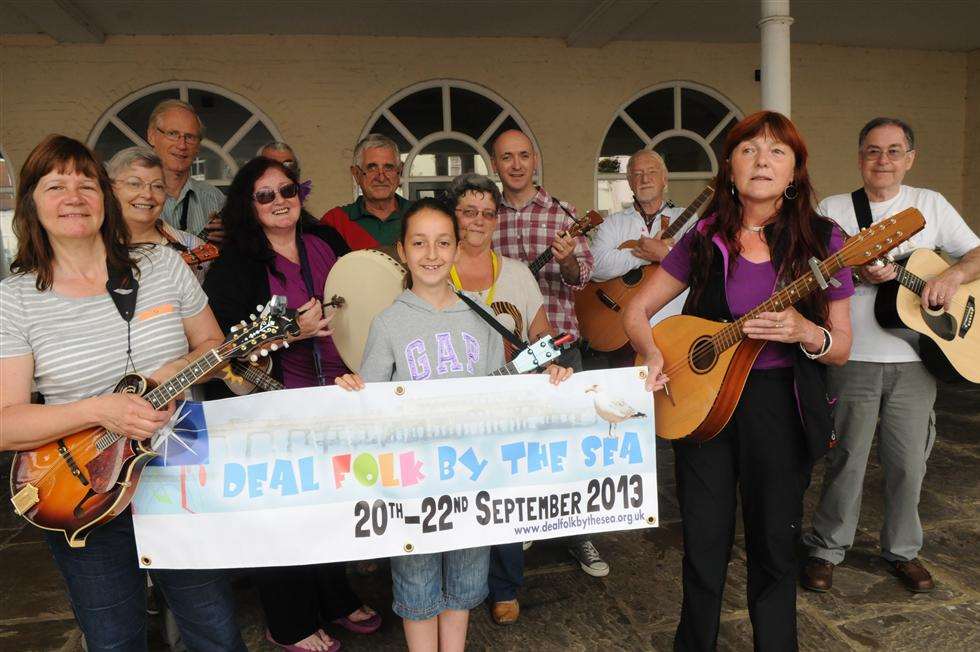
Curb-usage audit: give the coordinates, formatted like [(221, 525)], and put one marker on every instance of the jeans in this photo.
[(107, 590), (428, 584)]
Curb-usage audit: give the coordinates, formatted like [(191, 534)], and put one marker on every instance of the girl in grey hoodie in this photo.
[(429, 333)]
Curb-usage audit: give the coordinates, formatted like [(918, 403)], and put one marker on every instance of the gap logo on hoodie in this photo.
[(447, 359)]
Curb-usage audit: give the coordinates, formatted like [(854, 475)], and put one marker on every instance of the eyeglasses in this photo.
[(893, 153), (174, 135), (136, 186), (289, 164), (471, 213), (372, 169), (268, 195)]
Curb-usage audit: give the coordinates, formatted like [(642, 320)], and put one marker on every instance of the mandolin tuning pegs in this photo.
[(285, 345), (252, 316), (234, 328), (259, 307), (274, 347), (253, 358), (265, 352)]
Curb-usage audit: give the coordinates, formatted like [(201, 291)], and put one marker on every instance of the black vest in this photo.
[(809, 376)]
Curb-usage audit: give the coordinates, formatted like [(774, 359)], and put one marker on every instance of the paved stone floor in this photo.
[(636, 606)]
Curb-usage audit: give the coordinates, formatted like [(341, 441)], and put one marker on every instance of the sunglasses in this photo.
[(268, 195)]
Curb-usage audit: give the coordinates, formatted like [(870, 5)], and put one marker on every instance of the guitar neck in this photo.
[(167, 391), (788, 296), (909, 280), (508, 369), (688, 213)]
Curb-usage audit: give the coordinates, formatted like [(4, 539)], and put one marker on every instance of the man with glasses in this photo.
[(649, 214), (374, 220), (175, 131), (884, 386)]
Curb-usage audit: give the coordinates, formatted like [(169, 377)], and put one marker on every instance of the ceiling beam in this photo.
[(62, 20), (604, 23)]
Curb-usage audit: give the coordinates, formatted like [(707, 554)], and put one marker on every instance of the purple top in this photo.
[(297, 360), (749, 284)]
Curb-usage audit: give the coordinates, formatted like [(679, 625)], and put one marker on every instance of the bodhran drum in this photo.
[(363, 283)]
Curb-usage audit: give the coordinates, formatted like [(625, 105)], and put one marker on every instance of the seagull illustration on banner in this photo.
[(612, 410)]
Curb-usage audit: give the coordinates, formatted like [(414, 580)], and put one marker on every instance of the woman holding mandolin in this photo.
[(272, 246), (63, 327), (760, 232), (137, 181)]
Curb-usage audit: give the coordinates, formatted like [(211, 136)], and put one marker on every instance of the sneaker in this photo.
[(527, 545), (588, 557)]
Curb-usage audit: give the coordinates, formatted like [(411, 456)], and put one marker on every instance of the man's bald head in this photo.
[(514, 159)]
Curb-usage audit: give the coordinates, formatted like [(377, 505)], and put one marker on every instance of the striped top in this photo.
[(203, 201), (79, 345)]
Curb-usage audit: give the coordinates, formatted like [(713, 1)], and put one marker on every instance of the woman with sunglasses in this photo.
[(272, 246)]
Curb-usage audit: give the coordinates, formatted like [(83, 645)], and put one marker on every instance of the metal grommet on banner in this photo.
[(408, 547), (643, 374), (145, 561), (652, 520), (400, 390)]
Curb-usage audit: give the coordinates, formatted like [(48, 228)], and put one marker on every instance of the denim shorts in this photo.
[(426, 585)]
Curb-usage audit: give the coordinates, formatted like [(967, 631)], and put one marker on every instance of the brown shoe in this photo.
[(818, 575), (506, 612), (913, 575)]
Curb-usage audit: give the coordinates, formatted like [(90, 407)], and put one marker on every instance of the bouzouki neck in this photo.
[(591, 220)]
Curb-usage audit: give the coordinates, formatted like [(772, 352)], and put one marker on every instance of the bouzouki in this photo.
[(948, 345), (246, 378), (707, 362), (591, 220), (82, 480), (599, 305)]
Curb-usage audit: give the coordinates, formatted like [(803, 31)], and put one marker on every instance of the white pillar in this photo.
[(774, 28)]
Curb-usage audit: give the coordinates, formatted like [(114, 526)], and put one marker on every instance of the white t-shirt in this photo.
[(516, 297), (944, 230)]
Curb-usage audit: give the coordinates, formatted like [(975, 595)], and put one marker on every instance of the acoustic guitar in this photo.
[(707, 362), (599, 305), (948, 345), (582, 226), (80, 481)]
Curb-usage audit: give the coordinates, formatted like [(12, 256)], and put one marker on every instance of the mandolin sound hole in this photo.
[(702, 356)]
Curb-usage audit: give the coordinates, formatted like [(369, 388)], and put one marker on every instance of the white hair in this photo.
[(372, 141), (657, 157)]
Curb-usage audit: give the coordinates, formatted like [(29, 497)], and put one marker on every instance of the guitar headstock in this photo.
[(881, 237), (591, 220), (266, 331)]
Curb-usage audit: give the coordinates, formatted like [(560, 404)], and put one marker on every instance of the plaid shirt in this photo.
[(525, 233)]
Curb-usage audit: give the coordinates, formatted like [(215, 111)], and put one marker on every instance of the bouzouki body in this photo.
[(700, 404), (74, 486), (949, 340)]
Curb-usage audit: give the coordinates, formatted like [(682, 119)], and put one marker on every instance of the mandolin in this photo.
[(599, 305), (707, 362), (591, 220), (948, 345), (246, 378), (80, 481), (200, 254)]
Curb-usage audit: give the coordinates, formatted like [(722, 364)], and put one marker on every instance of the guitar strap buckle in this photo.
[(822, 281)]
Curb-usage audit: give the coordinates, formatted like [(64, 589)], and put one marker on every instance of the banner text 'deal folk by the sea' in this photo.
[(319, 475)]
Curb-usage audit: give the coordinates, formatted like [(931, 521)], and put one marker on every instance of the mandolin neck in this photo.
[(258, 378)]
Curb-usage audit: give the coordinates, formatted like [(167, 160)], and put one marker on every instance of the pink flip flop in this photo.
[(369, 626), (334, 647)]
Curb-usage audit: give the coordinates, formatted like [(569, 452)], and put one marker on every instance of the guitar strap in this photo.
[(490, 319), (123, 289), (183, 211), (862, 207), (304, 268)]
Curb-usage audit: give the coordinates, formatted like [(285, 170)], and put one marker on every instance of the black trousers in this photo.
[(761, 453), (297, 600)]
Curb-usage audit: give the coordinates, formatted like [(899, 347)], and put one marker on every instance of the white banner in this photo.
[(317, 475)]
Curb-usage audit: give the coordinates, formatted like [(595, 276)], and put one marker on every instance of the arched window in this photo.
[(443, 128), (8, 242), (684, 122), (234, 127)]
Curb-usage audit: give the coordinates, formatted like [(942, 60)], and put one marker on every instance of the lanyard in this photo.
[(494, 265)]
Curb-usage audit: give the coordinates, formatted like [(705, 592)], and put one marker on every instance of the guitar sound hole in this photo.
[(633, 277), (702, 356)]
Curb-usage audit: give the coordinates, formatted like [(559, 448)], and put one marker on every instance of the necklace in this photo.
[(454, 276), (754, 229)]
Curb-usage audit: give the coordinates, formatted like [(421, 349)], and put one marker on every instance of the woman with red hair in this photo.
[(759, 232)]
